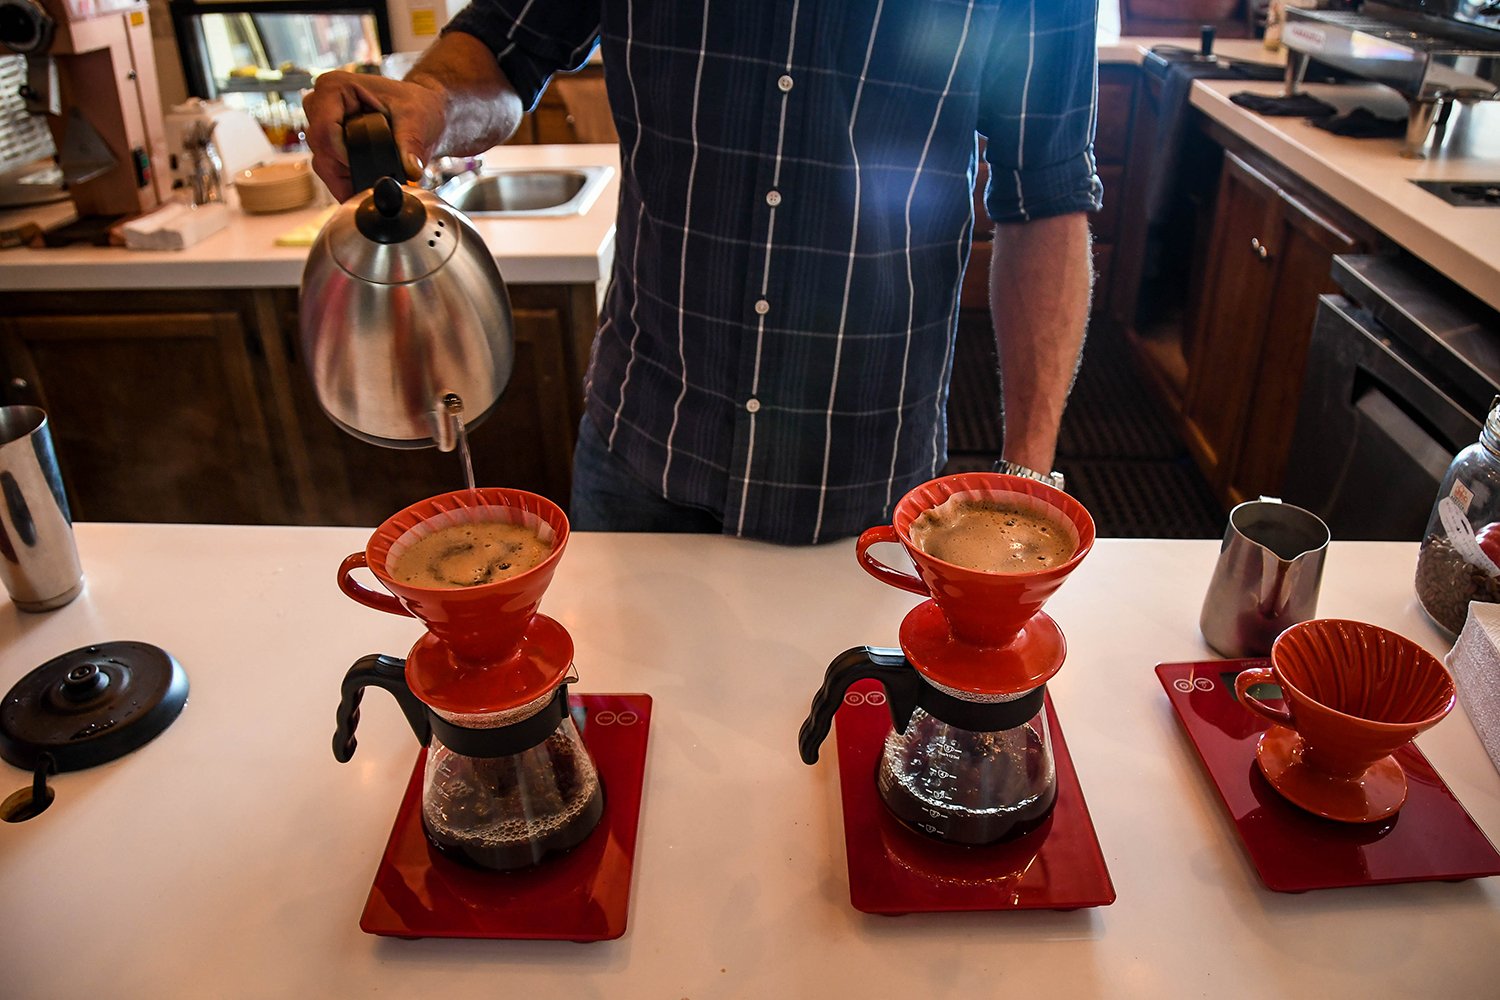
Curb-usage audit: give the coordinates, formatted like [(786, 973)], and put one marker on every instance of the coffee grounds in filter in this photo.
[(468, 554), (993, 535)]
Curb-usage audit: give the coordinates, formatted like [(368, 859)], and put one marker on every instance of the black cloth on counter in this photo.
[(1362, 123), (1282, 106), (1178, 69)]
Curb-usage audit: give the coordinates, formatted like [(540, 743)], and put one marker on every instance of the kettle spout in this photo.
[(448, 421)]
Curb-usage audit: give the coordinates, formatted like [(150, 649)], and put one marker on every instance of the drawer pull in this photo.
[(1259, 248)]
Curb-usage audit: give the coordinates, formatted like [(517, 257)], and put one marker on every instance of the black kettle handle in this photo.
[(372, 151), (902, 685), (383, 671)]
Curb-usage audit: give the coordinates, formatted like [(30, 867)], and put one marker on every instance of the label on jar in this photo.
[(1461, 535), (1461, 495)]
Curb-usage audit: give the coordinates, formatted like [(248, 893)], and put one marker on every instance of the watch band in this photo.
[(1053, 479)]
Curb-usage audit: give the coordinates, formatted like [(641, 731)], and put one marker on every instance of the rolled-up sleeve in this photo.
[(532, 39), (1037, 108)]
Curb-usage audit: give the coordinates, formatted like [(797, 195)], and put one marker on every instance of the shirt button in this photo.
[(752, 405), (784, 84), (773, 198), (762, 306)]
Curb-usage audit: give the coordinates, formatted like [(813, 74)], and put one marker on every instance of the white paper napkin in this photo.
[(1475, 664), (175, 226)]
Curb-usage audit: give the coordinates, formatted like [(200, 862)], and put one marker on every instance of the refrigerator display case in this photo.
[(260, 55)]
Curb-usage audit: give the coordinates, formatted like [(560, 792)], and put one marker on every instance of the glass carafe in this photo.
[(965, 767), (966, 786), (500, 790), (515, 809)]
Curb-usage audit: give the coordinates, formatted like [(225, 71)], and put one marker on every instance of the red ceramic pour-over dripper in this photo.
[(487, 648), (982, 631), (1355, 693)]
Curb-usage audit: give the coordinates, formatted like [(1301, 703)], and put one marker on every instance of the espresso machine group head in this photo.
[(91, 72)]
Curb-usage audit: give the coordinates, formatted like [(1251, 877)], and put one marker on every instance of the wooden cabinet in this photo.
[(156, 413), (1269, 257), (194, 406), (573, 108), (1173, 18)]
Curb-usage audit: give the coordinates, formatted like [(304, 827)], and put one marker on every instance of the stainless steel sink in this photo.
[(526, 193)]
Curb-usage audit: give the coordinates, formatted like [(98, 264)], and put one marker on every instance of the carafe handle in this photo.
[(383, 671), (1247, 679), (878, 569), (364, 595), (901, 682), (373, 153)]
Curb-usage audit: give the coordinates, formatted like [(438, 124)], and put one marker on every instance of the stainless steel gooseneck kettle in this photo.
[(405, 321)]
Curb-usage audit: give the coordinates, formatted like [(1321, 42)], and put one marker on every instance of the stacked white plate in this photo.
[(275, 187)]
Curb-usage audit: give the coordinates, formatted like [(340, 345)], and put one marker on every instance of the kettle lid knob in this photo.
[(389, 214)]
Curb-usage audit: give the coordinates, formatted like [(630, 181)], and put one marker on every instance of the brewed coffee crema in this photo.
[(995, 536), (468, 554)]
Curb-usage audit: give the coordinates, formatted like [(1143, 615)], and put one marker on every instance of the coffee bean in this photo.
[(1446, 583)]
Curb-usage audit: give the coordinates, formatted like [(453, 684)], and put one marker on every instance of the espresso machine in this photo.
[(1434, 53), (90, 71)]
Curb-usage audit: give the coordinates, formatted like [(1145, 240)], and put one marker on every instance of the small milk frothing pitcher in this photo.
[(1266, 579)]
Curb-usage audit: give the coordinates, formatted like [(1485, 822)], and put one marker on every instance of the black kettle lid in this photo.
[(388, 214), (91, 705)]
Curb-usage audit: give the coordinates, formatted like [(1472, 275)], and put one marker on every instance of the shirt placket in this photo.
[(762, 309)]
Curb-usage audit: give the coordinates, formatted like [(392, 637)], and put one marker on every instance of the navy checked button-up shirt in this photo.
[(794, 221)]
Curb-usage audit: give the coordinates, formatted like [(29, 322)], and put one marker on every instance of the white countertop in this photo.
[(1371, 179), (555, 250), (232, 856)]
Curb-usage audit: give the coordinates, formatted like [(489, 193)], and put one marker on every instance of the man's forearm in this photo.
[(481, 106), (1041, 277)]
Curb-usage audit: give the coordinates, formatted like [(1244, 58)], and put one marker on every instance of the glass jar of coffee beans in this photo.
[(1459, 560)]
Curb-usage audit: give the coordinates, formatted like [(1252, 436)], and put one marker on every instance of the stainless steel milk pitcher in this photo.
[(403, 309), (1266, 579)]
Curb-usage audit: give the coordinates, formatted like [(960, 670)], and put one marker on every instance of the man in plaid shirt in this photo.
[(774, 352)]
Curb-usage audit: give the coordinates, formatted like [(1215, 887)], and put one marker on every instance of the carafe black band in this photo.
[(389, 672), (502, 741), (906, 690)]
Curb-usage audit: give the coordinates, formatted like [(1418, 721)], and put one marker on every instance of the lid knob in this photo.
[(84, 682), (389, 214)]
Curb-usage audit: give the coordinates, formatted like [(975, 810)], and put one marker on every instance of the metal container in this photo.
[(402, 307), (1266, 579), (38, 559)]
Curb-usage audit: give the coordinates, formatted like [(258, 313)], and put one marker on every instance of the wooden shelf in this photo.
[(257, 85)]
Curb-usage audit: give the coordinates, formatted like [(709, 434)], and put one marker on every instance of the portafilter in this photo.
[(402, 307)]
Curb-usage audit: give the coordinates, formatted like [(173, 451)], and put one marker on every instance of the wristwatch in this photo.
[(1053, 479)]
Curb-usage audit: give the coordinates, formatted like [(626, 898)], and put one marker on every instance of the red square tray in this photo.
[(895, 870), (1432, 838), (583, 895)]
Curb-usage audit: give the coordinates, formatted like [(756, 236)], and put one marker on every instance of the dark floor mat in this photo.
[(1110, 414), (1145, 499), (974, 395), (1122, 458)]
